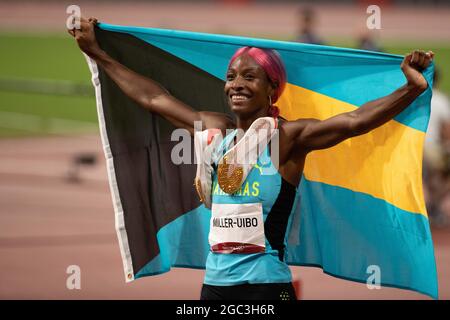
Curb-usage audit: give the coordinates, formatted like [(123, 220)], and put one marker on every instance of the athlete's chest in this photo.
[(262, 185)]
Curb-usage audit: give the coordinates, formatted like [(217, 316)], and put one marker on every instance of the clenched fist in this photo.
[(413, 65), (85, 36)]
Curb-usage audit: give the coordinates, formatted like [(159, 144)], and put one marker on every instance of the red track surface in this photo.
[(271, 19)]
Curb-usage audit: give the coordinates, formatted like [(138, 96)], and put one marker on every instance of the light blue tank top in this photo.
[(262, 185)]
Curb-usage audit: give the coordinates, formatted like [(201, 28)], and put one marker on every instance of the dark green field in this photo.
[(40, 58), (43, 57)]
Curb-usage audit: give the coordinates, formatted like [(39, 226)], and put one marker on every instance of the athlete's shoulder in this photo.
[(217, 120), (292, 128)]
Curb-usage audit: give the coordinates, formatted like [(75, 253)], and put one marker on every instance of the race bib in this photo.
[(237, 228)]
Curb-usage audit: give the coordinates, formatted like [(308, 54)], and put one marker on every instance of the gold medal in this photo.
[(229, 176)]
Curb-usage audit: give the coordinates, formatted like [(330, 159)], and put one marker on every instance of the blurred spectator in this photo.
[(366, 41), (307, 19), (437, 157), (440, 112)]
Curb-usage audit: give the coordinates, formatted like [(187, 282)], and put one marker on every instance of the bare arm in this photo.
[(144, 91), (312, 134)]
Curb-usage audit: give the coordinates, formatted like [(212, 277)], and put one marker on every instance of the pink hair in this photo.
[(272, 64)]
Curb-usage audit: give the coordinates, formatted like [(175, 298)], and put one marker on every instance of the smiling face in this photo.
[(248, 88)]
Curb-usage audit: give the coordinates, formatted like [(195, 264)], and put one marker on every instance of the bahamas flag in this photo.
[(360, 203)]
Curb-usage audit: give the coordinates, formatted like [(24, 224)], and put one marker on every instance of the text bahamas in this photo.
[(246, 189)]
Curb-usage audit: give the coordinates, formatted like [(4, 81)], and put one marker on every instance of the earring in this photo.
[(273, 110)]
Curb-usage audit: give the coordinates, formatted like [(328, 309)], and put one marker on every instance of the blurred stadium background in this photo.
[(55, 205)]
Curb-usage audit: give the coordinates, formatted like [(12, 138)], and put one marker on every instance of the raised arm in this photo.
[(312, 134), (144, 91)]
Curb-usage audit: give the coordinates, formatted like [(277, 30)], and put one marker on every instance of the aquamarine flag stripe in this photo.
[(182, 243), (350, 75), (344, 241)]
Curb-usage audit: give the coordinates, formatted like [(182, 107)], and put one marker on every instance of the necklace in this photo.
[(237, 162)]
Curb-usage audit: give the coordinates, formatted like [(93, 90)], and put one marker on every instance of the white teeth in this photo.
[(238, 97)]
